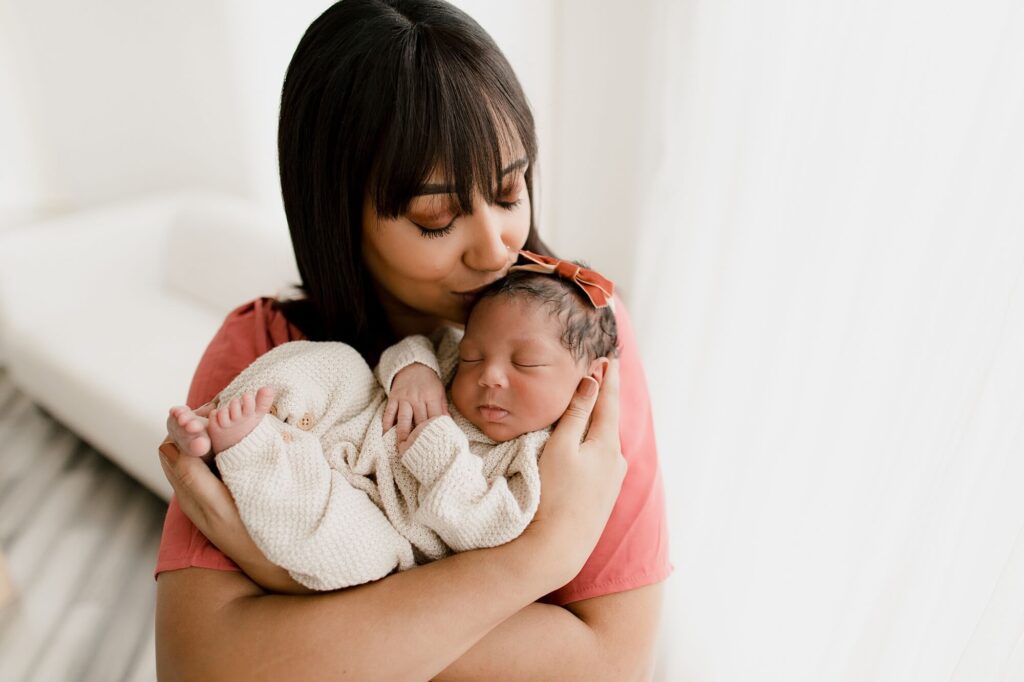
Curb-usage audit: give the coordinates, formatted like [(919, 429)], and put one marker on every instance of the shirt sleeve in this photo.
[(633, 549), (248, 331)]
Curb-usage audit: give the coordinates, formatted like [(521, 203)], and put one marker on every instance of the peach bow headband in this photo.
[(598, 288)]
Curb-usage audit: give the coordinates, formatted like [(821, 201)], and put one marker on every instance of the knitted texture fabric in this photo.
[(325, 494)]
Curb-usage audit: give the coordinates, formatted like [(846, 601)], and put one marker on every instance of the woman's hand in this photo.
[(207, 502), (580, 481)]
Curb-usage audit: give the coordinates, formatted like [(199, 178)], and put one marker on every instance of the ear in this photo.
[(597, 369)]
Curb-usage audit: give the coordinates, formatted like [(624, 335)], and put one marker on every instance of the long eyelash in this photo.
[(437, 232)]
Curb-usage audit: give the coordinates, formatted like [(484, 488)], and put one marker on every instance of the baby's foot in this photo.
[(188, 430), (236, 420)]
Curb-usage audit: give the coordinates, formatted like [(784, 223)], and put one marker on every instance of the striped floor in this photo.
[(79, 539)]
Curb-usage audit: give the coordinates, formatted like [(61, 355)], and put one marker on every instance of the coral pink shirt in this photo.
[(632, 551)]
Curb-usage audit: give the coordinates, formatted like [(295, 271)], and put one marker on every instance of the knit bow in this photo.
[(598, 288)]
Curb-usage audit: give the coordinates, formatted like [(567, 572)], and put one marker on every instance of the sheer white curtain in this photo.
[(827, 275)]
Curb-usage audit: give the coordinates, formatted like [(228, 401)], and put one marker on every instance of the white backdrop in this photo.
[(828, 284)]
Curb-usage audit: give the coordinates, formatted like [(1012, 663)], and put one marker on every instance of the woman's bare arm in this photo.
[(605, 638), (219, 625), (411, 625)]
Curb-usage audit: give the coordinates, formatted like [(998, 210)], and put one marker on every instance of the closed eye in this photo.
[(468, 360), (520, 364)]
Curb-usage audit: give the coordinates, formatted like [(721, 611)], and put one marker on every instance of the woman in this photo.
[(406, 154)]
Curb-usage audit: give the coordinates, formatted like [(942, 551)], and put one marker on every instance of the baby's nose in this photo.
[(493, 377)]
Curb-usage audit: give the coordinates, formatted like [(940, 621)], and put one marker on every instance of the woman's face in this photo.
[(432, 260)]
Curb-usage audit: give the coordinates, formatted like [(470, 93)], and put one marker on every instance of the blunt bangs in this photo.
[(458, 110)]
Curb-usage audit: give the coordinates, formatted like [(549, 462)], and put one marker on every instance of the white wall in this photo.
[(20, 194), (122, 98)]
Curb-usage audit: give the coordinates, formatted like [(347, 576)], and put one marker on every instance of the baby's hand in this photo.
[(416, 396), (404, 444)]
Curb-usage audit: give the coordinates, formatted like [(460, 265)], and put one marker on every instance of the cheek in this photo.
[(462, 387), (521, 226), (414, 257), (544, 400)]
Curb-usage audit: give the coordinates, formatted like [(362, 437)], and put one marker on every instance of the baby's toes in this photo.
[(248, 404), (264, 399), (199, 446), (194, 426), (235, 409), (220, 417)]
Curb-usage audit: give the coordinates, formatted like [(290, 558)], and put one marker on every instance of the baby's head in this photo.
[(530, 339)]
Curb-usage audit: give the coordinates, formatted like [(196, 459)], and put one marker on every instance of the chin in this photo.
[(499, 433)]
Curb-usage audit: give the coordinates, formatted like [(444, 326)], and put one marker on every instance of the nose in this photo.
[(493, 376), (487, 250)]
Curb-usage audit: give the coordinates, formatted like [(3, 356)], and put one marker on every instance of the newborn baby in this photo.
[(327, 493)]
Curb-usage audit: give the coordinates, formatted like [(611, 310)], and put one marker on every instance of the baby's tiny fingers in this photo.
[(435, 408), (388, 420), (248, 403), (404, 420)]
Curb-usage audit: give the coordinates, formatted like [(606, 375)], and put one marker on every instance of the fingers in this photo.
[(202, 495), (390, 411), (419, 412), (573, 423), (404, 420), (436, 408), (605, 423)]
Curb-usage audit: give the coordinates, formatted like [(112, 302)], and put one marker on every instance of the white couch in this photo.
[(104, 314)]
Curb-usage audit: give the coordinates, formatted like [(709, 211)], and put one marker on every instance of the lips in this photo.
[(492, 413)]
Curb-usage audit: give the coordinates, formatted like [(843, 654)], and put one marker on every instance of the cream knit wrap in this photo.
[(325, 495)]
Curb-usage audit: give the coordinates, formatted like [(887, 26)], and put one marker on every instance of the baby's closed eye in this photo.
[(520, 363)]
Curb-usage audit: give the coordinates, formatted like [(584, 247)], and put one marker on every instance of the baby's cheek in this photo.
[(547, 407), (460, 394)]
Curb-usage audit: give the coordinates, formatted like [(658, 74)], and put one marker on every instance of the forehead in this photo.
[(520, 322)]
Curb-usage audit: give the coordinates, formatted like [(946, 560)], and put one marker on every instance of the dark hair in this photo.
[(377, 95), (587, 332)]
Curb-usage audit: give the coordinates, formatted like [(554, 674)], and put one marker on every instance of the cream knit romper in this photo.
[(325, 495)]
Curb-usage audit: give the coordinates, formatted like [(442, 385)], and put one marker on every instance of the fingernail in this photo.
[(167, 452), (588, 387)]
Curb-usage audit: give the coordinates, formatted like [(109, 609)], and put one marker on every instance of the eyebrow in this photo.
[(436, 188)]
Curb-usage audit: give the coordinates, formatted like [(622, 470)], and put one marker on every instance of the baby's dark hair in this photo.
[(587, 332)]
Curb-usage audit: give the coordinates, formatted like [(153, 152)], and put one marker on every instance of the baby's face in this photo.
[(514, 374)]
